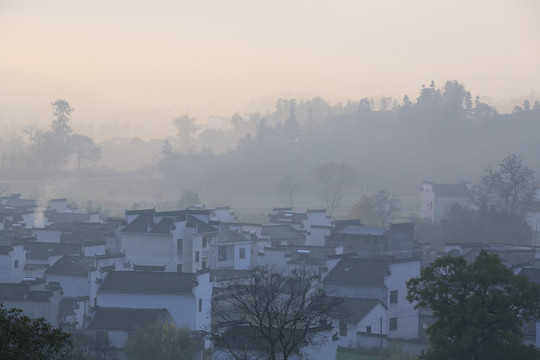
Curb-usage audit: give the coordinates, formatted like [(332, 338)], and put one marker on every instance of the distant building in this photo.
[(437, 199)]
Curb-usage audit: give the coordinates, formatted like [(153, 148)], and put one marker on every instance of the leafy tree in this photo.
[(377, 209), (479, 309), (161, 341), (288, 187), (509, 189), (24, 339), (186, 126), (85, 149), (333, 178), (269, 314)]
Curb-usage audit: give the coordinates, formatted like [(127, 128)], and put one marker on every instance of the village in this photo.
[(106, 277)]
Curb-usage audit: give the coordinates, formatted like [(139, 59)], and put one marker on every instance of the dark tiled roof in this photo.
[(141, 224), (355, 309), (163, 227), (149, 282), (21, 292), (282, 233), (72, 266), (229, 274), (178, 215), (39, 296), (125, 319), (451, 190), (141, 211), (148, 268), (56, 217), (362, 230), (358, 272), (532, 274), (13, 291), (200, 225), (42, 250), (226, 234)]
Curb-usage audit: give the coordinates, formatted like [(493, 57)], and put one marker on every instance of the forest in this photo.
[(444, 134)]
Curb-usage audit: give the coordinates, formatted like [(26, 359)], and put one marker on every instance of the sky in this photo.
[(143, 63)]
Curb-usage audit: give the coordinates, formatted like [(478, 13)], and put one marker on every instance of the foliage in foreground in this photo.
[(479, 308), (24, 339)]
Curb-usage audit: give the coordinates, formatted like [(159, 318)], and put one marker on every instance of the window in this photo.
[(196, 256), (222, 253), (204, 261), (342, 327), (393, 324), (368, 329), (204, 242), (393, 297), (242, 253), (102, 337), (180, 246), (200, 305), (16, 264)]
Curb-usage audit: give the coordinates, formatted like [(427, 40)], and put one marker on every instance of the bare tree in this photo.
[(509, 189), (269, 314), (377, 209), (288, 187), (333, 179)]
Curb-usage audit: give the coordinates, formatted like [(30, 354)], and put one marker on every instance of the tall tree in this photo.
[(270, 314), (85, 149), (479, 309), (510, 188), (333, 179), (186, 126)]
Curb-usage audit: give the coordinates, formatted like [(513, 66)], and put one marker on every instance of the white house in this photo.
[(187, 296), (34, 303), (437, 199), (382, 279), (12, 262)]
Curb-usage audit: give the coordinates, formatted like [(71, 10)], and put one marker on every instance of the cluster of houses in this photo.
[(105, 277)]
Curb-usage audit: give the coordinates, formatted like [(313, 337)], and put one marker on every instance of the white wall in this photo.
[(203, 291), (72, 286), (403, 310), (150, 249), (8, 272)]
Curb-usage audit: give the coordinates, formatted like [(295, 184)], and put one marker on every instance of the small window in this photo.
[(368, 329), (204, 261), (393, 324), (180, 246), (102, 337), (196, 256), (16, 264), (204, 242), (393, 297), (242, 253), (222, 253), (200, 305), (342, 327)]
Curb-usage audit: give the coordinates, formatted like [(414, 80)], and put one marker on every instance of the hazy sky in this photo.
[(151, 60)]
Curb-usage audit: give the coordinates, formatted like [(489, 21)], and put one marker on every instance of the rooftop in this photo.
[(72, 266), (149, 282), (125, 319)]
